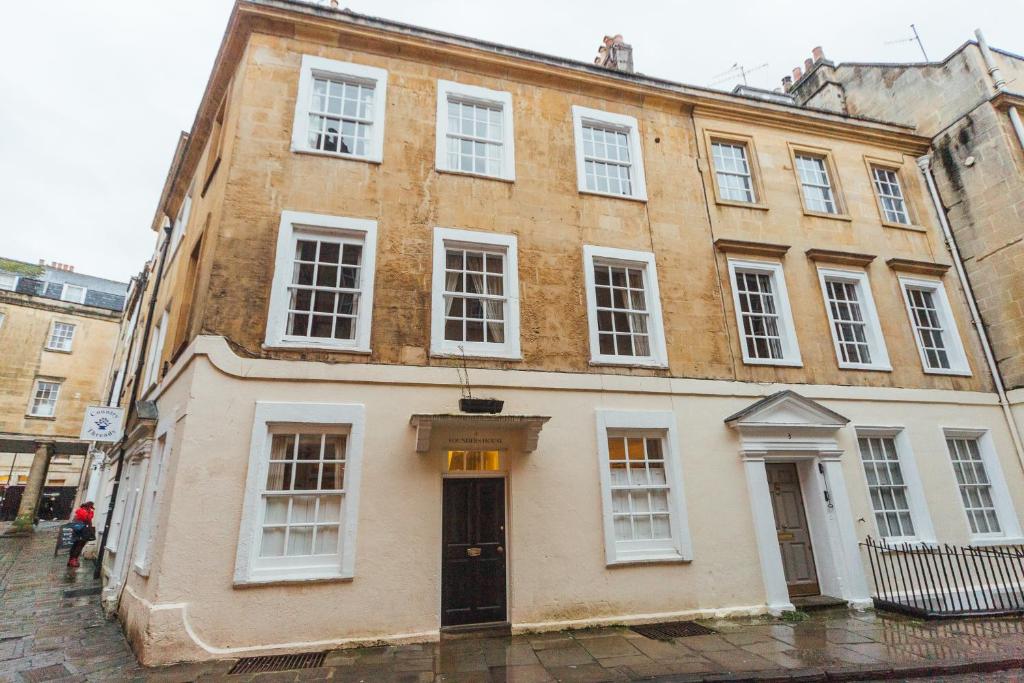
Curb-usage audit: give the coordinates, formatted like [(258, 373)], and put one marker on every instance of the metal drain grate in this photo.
[(56, 672), (255, 665), (671, 629)]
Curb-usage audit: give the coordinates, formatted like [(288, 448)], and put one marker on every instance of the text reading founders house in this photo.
[(727, 352)]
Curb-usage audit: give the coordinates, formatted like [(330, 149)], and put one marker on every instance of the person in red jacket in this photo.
[(81, 523)]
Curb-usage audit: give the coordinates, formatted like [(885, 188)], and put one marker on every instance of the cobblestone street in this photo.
[(51, 628)]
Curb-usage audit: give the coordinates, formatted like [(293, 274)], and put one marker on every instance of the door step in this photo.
[(810, 603), (490, 630)]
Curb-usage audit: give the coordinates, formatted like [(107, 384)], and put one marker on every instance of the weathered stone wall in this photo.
[(551, 218), (985, 205), (984, 200), (23, 337)]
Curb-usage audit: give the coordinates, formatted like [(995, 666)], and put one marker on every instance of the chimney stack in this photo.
[(818, 54), (615, 54), (797, 74), (808, 65), (787, 83)]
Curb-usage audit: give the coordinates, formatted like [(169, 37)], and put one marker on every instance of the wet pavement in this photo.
[(47, 634)]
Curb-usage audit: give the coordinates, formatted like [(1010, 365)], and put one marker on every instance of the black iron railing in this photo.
[(945, 580)]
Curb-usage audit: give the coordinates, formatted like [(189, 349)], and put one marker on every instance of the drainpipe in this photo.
[(130, 408), (999, 83), (924, 163)]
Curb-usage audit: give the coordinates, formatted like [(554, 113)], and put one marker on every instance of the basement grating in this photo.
[(256, 665), (671, 629)]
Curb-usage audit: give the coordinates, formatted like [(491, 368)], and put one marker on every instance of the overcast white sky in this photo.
[(94, 93)]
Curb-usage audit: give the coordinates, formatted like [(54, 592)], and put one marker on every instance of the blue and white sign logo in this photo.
[(102, 423)]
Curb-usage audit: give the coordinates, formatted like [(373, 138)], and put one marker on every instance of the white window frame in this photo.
[(347, 415), (1006, 514), (293, 225), (719, 172), (919, 515), (663, 422), (873, 326), (439, 346), (64, 293), (53, 329), (624, 123), (152, 495), (958, 364), (787, 330), (156, 350), (830, 184), (35, 390), (6, 278), (332, 68), (902, 197), (655, 323), (449, 90), (181, 220)]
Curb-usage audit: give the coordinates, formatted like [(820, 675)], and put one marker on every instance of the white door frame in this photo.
[(787, 427)]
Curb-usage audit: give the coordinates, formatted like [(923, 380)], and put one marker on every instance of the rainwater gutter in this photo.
[(999, 83)]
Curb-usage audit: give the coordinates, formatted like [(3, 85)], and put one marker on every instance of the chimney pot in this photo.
[(797, 73), (818, 54), (808, 65), (614, 53)]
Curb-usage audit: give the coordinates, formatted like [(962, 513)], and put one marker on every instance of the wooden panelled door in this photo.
[(791, 527), (473, 536)]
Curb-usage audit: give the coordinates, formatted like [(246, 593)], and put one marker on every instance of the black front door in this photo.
[(473, 571)]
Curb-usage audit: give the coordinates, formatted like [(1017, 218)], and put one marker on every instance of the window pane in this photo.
[(975, 489), (888, 493)]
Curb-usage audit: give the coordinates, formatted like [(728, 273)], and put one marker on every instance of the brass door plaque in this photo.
[(785, 536), (473, 552)]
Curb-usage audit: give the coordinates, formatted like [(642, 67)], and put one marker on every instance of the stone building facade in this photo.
[(969, 105), (57, 332), (442, 334)]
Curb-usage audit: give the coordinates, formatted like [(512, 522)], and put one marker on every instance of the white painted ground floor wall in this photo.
[(193, 605)]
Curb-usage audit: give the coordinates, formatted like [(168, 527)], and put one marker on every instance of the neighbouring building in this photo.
[(444, 334), (57, 332), (969, 105)]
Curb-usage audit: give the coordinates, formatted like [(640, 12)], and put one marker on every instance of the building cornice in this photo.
[(300, 20), (57, 306)]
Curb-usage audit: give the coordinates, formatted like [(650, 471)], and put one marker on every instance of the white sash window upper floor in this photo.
[(931, 318), (339, 110), (44, 398), (474, 131), (61, 337), (609, 159), (763, 316), (732, 171), (856, 330), (475, 294), (623, 307), (322, 292), (890, 195)]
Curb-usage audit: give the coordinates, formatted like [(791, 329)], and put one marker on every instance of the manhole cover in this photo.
[(46, 673), (671, 629), (252, 665)]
